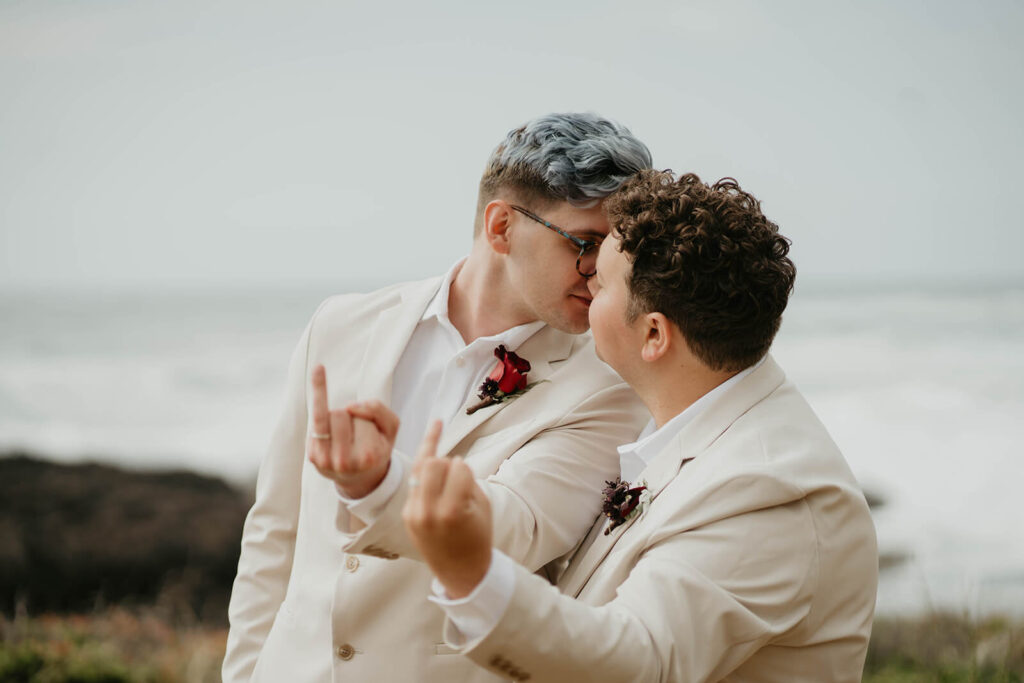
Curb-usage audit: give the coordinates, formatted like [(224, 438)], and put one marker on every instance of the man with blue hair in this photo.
[(326, 589)]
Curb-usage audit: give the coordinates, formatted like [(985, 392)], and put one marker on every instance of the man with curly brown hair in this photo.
[(739, 546)]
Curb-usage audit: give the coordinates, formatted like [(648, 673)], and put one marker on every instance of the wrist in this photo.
[(362, 486), (462, 580)]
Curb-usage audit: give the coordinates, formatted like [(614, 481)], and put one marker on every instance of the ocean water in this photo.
[(923, 389)]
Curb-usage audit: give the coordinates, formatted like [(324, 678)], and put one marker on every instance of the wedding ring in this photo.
[(413, 481), (322, 437)]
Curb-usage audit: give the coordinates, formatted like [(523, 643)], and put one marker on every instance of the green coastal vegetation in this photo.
[(110, 576), (116, 645)]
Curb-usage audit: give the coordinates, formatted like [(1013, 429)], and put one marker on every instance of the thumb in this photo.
[(378, 413)]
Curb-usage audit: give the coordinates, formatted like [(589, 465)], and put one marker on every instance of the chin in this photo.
[(571, 318), (577, 324), (571, 327), (569, 324)]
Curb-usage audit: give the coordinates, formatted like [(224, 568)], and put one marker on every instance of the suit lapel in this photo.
[(691, 441), (656, 475), (545, 347), (390, 335)]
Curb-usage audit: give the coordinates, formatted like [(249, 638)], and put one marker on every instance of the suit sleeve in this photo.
[(268, 537), (695, 606), (546, 495)]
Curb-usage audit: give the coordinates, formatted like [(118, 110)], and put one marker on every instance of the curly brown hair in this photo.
[(708, 259)]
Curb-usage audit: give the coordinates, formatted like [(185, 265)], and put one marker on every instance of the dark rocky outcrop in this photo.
[(73, 537)]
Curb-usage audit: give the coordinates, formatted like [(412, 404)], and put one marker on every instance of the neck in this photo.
[(479, 304), (668, 391)]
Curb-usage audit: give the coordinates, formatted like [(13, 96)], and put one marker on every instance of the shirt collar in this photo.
[(653, 440), (438, 306), (512, 338)]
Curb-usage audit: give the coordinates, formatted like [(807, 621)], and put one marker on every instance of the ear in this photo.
[(658, 337), (497, 220)]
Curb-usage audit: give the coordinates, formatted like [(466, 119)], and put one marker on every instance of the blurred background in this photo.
[(182, 183)]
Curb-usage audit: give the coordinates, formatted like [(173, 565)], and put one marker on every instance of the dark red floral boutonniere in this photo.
[(622, 502), (507, 380)]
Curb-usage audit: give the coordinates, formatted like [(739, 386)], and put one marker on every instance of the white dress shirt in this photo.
[(475, 615), (437, 376)]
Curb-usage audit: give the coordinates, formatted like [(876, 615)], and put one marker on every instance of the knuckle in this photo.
[(447, 516)]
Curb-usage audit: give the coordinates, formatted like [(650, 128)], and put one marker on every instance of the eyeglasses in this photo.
[(587, 250)]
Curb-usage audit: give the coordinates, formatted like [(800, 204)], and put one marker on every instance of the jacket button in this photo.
[(351, 563), (345, 652)]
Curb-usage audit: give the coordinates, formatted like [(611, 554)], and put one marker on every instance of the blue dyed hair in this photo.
[(577, 158)]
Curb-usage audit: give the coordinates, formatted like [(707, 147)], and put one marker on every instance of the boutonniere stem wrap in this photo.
[(507, 379), (622, 502)]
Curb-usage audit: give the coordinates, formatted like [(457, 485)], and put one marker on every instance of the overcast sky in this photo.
[(248, 142)]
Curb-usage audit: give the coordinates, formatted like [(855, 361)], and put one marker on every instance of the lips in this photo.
[(585, 300)]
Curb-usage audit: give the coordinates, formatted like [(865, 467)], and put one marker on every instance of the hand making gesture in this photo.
[(448, 517), (352, 446)]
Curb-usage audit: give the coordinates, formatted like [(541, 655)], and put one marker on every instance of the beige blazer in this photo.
[(755, 561), (305, 606)]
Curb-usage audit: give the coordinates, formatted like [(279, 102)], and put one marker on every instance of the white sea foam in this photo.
[(191, 382), (923, 391)]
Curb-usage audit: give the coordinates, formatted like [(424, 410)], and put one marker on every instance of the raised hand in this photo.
[(352, 447), (448, 517)]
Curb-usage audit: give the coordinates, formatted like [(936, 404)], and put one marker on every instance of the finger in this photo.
[(458, 486), (321, 422), (378, 413), (428, 447), (367, 443), (318, 454), (431, 483), (341, 441)]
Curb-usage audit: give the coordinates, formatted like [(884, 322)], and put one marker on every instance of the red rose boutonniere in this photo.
[(622, 502), (507, 379)]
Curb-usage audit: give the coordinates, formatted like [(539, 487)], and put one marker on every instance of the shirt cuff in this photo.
[(476, 615), (368, 508)]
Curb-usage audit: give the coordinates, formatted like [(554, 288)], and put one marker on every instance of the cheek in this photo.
[(597, 316), (594, 315), (548, 281)]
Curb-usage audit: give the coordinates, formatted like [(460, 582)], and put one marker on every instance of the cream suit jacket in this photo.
[(756, 561), (319, 598)]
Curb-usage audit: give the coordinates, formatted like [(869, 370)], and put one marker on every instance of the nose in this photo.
[(586, 263)]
